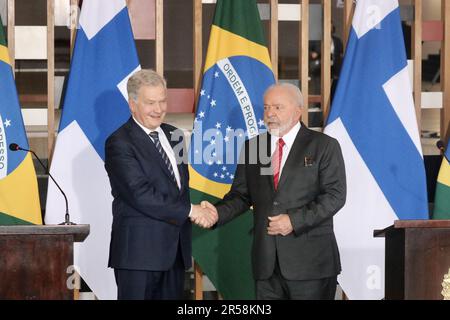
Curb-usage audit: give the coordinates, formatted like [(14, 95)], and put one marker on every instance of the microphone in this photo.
[(441, 146), (16, 147)]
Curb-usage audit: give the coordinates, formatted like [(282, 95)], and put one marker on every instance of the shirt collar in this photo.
[(147, 130), (289, 137)]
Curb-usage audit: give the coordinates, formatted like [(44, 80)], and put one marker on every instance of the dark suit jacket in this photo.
[(309, 193), (150, 213)]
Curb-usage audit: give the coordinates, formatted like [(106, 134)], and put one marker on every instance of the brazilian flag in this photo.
[(442, 195), (19, 197), (230, 109)]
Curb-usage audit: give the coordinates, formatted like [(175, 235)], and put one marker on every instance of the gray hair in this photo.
[(296, 94), (144, 77)]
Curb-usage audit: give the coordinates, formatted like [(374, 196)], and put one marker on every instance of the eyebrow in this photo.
[(152, 100)]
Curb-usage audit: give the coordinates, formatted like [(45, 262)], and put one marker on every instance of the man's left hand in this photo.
[(280, 224)]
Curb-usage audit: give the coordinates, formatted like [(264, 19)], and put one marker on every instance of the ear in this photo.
[(132, 105), (299, 112)]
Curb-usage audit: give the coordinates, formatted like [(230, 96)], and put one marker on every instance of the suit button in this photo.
[(275, 203)]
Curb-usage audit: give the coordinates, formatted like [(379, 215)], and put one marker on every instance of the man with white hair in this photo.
[(151, 231), (294, 194)]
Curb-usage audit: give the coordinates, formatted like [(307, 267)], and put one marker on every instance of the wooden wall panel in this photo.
[(432, 30), (142, 16), (180, 100)]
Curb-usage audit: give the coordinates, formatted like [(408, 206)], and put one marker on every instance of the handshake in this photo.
[(204, 214)]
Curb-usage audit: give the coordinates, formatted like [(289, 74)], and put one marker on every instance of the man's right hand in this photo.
[(204, 215)]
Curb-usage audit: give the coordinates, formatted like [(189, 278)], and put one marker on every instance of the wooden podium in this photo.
[(417, 258), (34, 260)]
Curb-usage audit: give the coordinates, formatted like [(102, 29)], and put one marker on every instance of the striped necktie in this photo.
[(154, 135)]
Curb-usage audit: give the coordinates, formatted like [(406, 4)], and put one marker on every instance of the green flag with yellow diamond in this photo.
[(19, 197), (229, 111)]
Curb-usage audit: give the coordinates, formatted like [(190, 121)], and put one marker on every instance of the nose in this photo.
[(270, 112), (158, 107)]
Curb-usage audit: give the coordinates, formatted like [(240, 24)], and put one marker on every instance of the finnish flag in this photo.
[(374, 120), (95, 105)]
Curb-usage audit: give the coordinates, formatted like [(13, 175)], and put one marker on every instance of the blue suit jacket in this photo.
[(150, 213)]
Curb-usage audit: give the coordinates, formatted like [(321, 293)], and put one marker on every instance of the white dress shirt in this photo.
[(167, 148), (169, 151), (288, 139)]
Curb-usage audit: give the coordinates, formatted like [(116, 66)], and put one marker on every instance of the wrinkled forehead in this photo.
[(147, 91), (278, 95)]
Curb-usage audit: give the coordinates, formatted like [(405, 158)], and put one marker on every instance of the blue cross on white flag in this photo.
[(95, 106), (373, 118)]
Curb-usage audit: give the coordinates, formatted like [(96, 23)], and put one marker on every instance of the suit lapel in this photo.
[(168, 132), (145, 143), (295, 154)]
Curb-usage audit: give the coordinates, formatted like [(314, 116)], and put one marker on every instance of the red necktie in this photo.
[(276, 162)]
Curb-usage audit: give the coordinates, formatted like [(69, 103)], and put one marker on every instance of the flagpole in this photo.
[(417, 60), (274, 36), (198, 56), (198, 48), (304, 58), (73, 33), (348, 16), (326, 58), (159, 37), (198, 276), (73, 25)]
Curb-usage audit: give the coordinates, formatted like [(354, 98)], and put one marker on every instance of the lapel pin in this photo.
[(308, 161)]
